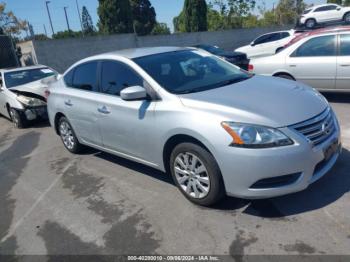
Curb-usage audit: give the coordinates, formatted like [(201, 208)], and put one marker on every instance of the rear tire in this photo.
[(196, 174), (285, 76), (347, 18), (310, 23), (17, 118), (67, 134)]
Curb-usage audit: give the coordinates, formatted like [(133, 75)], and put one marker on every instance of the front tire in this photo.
[(67, 134), (196, 173), (17, 119), (347, 18), (310, 23)]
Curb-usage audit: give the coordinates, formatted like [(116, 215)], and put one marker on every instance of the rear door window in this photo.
[(318, 46), (344, 49)]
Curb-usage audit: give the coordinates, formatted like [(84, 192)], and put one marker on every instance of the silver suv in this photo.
[(217, 129)]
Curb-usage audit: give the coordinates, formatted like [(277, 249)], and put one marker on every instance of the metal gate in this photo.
[(8, 56)]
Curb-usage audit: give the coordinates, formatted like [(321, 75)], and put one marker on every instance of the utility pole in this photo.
[(48, 12), (45, 30), (65, 12), (81, 23)]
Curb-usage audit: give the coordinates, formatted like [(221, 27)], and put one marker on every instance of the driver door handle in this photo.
[(68, 103), (344, 65), (293, 65), (103, 110)]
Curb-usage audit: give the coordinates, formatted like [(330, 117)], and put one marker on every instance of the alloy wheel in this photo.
[(347, 18), (67, 135), (14, 117), (192, 175)]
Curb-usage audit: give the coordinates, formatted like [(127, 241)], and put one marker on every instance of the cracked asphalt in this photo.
[(56, 203)]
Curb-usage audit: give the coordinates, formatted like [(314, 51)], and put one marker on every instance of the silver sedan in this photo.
[(321, 60), (217, 129)]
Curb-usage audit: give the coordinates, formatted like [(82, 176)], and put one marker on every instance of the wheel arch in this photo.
[(283, 73), (177, 139), (346, 13), (56, 119)]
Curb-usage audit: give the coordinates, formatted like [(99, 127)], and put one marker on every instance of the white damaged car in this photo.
[(23, 93)]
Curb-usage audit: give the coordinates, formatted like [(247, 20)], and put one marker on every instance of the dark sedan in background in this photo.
[(236, 58)]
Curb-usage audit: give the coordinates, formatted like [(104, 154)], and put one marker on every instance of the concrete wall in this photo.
[(60, 54)]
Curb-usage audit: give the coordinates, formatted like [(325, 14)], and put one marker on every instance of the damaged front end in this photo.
[(34, 105)]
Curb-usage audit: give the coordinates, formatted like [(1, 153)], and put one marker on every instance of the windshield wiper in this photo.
[(213, 86)]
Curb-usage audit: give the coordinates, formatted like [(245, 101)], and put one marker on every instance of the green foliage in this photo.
[(346, 3), (195, 15), (179, 22), (9, 23), (115, 16), (40, 37), (160, 29), (338, 2), (216, 21), (88, 25), (144, 16), (67, 34)]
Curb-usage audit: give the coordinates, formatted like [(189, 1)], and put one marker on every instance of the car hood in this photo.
[(260, 100), (36, 87)]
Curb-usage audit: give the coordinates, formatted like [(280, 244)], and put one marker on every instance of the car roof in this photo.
[(317, 6), (15, 69), (320, 31), (140, 52)]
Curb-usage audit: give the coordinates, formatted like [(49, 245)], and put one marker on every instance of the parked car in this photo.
[(217, 129), (22, 93), (319, 60), (326, 13), (267, 44), (237, 58)]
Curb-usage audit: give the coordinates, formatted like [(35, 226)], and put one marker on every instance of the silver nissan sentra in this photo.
[(217, 129)]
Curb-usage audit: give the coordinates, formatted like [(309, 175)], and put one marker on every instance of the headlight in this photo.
[(255, 136), (30, 101)]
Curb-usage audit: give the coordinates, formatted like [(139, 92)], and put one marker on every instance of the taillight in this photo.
[(250, 67), (46, 94)]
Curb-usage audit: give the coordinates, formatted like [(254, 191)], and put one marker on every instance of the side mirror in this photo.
[(252, 43), (338, 8), (133, 93)]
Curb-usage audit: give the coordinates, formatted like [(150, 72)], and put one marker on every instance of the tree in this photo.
[(66, 34), (346, 3), (88, 25), (40, 37), (234, 12), (9, 23), (216, 21), (179, 22), (195, 15), (144, 16), (160, 29), (115, 16)]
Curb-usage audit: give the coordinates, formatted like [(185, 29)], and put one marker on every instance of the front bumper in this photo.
[(32, 113), (243, 168)]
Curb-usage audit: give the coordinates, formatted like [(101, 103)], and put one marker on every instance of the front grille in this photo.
[(317, 129)]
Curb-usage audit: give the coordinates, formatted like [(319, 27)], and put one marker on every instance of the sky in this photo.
[(35, 12)]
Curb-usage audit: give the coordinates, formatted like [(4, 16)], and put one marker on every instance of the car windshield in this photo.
[(190, 71), (22, 77)]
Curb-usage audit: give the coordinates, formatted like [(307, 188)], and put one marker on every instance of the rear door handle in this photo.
[(103, 110), (293, 65), (68, 103), (345, 65)]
